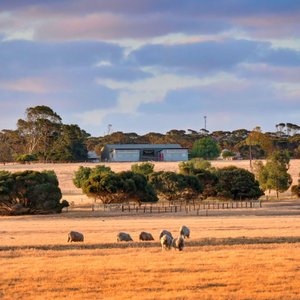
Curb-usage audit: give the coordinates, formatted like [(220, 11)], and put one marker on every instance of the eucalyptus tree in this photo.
[(274, 174), (39, 129)]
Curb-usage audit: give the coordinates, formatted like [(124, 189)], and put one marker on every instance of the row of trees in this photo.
[(42, 136), (30, 192), (254, 144), (196, 180)]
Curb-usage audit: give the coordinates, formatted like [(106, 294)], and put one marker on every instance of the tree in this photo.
[(206, 148), (273, 175), (81, 176), (70, 145), (39, 129), (26, 158), (201, 169), (172, 186), (12, 144), (145, 168), (84, 173), (31, 191), (192, 166), (237, 184), (256, 137), (296, 188), (109, 187)]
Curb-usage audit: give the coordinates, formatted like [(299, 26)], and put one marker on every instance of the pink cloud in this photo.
[(271, 73), (30, 85)]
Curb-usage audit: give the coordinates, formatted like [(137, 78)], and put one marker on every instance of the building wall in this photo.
[(174, 155), (125, 155)]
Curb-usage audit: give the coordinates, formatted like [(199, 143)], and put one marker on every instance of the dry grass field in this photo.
[(237, 257), (241, 254)]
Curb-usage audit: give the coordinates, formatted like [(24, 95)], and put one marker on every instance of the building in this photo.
[(93, 157), (143, 152)]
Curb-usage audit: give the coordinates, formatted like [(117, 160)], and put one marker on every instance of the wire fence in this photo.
[(176, 207)]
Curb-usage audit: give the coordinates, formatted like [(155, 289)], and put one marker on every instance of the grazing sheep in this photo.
[(178, 243), (124, 237), (146, 236), (166, 242), (184, 231), (74, 236), (163, 232)]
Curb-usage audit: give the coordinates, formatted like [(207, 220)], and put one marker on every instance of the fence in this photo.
[(177, 208)]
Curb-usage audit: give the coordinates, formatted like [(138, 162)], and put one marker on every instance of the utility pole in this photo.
[(109, 129), (205, 122)]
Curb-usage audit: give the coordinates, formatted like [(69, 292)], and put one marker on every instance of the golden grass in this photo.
[(220, 272), (243, 257)]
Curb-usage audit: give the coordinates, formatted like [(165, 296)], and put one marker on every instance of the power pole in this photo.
[(205, 122), (109, 129)]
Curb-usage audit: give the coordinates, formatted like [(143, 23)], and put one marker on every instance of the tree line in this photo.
[(143, 184), (42, 136), (30, 192), (196, 180)]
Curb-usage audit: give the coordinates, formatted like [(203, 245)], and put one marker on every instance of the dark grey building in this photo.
[(143, 152)]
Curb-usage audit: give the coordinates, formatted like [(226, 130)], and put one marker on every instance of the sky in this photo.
[(152, 65)]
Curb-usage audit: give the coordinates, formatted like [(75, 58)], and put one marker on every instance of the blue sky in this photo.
[(152, 65)]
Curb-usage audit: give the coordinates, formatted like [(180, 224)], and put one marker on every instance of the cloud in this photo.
[(136, 19), (28, 85), (215, 56), (268, 73)]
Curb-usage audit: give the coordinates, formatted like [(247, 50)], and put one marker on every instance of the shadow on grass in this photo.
[(196, 243)]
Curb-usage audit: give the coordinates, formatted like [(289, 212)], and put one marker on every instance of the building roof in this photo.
[(143, 146)]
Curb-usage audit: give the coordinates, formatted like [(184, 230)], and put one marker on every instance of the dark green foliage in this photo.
[(200, 168), (206, 148), (112, 187), (31, 190), (236, 184), (6, 186), (26, 158), (173, 186), (281, 157), (256, 151), (69, 145), (145, 168), (84, 173), (209, 180), (296, 188), (192, 166), (227, 153)]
